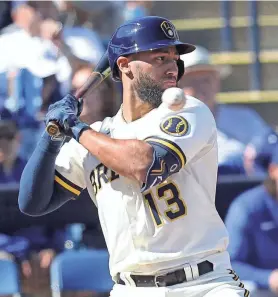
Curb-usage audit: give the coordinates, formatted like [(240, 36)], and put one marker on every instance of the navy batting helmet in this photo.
[(144, 34)]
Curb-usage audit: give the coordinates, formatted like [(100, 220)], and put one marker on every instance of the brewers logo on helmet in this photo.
[(169, 30)]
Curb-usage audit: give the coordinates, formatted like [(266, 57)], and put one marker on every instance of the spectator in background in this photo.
[(98, 103), (36, 241), (11, 165), (41, 71), (102, 16), (38, 34), (44, 243), (5, 14), (42, 240), (18, 247), (28, 70), (252, 223), (237, 126), (259, 152), (21, 44), (27, 97), (79, 47)]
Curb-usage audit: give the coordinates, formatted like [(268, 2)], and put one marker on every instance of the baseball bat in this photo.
[(98, 75)]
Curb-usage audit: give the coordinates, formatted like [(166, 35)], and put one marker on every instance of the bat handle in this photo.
[(53, 129)]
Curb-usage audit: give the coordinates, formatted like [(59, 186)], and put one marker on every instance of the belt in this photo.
[(172, 278)]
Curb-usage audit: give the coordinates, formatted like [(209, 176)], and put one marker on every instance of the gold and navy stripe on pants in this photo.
[(66, 184), (241, 285), (169, 146)]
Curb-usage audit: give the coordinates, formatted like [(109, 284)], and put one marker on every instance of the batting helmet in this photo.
[(145, 34)]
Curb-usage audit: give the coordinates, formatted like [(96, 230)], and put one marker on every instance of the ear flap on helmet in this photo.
[(180, 68)]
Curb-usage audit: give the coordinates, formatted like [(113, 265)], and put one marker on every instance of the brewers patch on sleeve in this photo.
[(175, 126)]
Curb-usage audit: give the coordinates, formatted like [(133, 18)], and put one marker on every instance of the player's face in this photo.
[(154, 72), (8, 147)]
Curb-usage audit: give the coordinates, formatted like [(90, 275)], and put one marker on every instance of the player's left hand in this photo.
[(65, 114)]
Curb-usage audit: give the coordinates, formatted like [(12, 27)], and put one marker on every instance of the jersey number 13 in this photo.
[(170, 193)]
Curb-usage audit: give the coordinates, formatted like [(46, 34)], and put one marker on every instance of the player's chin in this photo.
[(169, 84)]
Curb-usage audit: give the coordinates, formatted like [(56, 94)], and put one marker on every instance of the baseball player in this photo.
[(150, 170)]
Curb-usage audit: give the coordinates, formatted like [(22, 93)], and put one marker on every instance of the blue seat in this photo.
[(9, 277), (81, 270)]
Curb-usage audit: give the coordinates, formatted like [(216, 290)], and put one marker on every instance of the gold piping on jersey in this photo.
[(170, 145), (175, 126), (61, 180)]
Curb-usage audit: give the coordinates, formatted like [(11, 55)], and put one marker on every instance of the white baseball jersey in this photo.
[(168, 224)]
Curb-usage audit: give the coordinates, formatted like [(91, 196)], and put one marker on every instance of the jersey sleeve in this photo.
[(186, 134), (69, 169)]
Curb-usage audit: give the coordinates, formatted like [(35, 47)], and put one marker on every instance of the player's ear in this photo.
[(124, 66)]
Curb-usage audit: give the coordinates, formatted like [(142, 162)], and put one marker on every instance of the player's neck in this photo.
[(133, 108)]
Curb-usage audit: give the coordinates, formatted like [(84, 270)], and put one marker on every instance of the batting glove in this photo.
[(65, 113)]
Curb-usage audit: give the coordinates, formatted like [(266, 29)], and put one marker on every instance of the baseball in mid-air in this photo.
[(174, 98)]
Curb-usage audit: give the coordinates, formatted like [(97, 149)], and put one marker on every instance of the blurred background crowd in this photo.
[(233, 70)]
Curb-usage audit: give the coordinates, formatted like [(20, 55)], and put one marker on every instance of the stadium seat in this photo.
[(9, 277), (80, 270)]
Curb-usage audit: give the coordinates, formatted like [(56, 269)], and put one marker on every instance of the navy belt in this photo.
[(172, 278)]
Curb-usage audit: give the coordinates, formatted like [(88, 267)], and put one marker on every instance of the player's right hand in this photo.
[(64, 113)]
